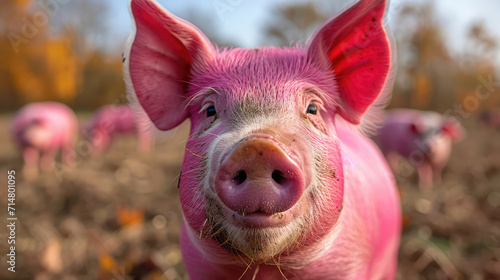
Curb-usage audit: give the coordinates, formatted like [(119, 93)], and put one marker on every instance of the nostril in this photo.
[(239, 177), (259, 177), (278, 177)]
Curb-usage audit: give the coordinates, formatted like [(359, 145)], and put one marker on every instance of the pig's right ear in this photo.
[(158, 60), (355, 47)]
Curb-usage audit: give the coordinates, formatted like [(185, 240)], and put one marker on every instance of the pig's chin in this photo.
[(258, 235)]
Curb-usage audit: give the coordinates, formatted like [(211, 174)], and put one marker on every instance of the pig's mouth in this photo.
[(258, 235), (261, 218)]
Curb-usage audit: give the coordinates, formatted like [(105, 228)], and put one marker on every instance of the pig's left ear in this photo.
[(355, 47), (158, 60)]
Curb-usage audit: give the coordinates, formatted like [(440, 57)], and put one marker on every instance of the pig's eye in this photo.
[(211, 111), (312, 109)]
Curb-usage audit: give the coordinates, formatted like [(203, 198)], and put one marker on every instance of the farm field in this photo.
[(117, 216)]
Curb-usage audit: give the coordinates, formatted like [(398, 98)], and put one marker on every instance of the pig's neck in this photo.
[(332, 255), (338, 248)]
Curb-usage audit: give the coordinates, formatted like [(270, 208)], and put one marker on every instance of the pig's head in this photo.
[(452, 128), (262, 172), (433, 131), (100, 141), (37, 134), (98, 132)]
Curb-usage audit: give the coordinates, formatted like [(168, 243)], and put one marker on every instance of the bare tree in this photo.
[(297, 22), (426, 70)]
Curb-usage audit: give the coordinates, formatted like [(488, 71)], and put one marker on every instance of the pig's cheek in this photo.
[(332, 173), (317, 122), (194, 172), (193, 205), (206, 126)]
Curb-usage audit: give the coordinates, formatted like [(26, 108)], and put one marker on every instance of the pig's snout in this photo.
[(259, 177)]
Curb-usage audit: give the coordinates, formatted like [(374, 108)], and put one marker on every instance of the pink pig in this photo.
[(41, 130), (276, 183), (424, 138), (111, 121)]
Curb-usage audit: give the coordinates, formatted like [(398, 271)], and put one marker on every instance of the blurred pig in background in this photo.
[(41, 130), (490, 118), (424, 138), (112, 121)]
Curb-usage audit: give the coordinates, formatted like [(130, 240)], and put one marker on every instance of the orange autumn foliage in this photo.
[(128, 217), (44, 58)]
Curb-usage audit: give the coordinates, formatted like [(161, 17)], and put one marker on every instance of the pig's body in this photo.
[(423, 138), (41, 130), (275, 181), (112, 121), (363, 245)]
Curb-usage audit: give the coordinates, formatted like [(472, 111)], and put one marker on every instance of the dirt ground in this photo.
[(118, 215)]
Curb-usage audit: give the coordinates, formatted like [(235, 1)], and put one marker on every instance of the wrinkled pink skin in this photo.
[(113, 121), (424, 138), (316, 200), (41, 130)]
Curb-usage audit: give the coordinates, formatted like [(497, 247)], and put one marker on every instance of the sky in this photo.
[(243, 21)]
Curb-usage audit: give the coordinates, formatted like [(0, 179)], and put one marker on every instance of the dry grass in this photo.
[(119, 215)]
